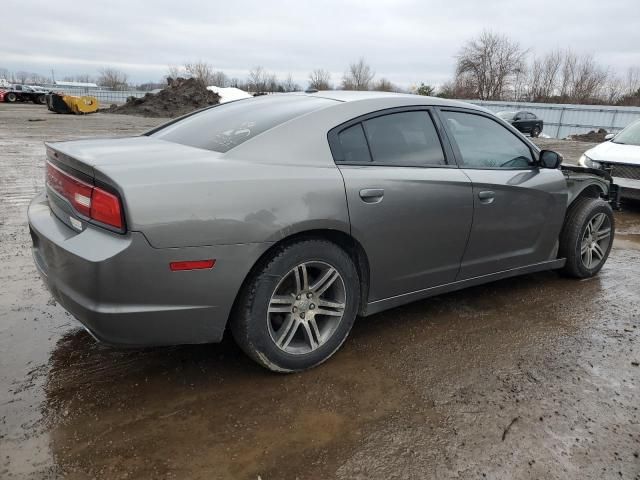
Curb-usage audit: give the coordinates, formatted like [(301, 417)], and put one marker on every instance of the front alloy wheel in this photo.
[(586, 237), (595, 240)]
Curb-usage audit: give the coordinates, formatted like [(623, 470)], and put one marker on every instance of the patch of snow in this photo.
[(228, 94)]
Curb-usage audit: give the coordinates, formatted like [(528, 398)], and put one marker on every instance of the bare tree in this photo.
[(219, 79), (272, 84), (257, 81), (319, 79), (112, 78), (489, 63), (22, 76), (201, 71), (173, 71), (358, 76), (384, 85), (289, 85)]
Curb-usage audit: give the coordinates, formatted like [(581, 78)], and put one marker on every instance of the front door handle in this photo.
[(486, 196), (372, 195)]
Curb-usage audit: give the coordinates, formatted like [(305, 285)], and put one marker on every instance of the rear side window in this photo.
[(407, 138), (397, 139), (354, 145), (226, 126)]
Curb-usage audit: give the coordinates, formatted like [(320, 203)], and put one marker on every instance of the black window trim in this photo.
[(336, 150), (458, 155)]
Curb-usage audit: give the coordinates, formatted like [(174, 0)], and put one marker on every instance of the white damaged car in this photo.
[(620, 155)]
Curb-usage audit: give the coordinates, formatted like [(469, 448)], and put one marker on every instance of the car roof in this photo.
[(403, 98)]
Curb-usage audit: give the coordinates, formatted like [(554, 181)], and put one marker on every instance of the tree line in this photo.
[(489, 66)]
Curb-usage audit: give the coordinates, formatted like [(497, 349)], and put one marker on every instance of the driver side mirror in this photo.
[(609, 136), (550, 159)]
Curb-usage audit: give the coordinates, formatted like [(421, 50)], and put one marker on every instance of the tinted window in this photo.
[(354, 145), (484, 143), (531, 116), (407, 138), (226, 126)]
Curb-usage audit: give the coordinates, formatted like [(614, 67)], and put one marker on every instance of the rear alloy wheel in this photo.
[(535, 132), (587, 237), (11, 97), (299, 307)]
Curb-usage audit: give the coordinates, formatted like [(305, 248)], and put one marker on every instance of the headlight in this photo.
[(587, 162)]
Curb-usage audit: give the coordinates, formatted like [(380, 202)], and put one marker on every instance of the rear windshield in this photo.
[(226, 126)]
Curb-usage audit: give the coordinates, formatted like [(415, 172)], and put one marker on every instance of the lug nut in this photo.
[(309, 295), (295, 309), (312, 306), (301, 314), (298, 297)]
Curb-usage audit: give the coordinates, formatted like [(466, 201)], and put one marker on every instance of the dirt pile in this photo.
[(592, 136), (179, 97)]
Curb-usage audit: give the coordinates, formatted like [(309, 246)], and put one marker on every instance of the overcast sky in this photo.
[(405, 41)]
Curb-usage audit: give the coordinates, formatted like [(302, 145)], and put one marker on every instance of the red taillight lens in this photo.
[(74, 190), (88, 200), (105, 208)]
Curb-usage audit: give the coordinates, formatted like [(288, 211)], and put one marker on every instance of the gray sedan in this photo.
[(282, 218)]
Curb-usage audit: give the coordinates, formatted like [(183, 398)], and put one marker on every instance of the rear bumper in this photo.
[(122, 290)]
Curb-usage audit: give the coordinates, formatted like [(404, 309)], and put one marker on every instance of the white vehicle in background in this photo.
[(620, 155)]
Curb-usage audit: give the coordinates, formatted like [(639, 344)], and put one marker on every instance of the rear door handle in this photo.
[(372, 195), (486, 196)]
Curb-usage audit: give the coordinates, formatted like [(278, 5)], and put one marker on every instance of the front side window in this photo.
[(484, 143), (406, 139)]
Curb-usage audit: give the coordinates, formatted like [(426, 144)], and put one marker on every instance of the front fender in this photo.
[(580, 179)]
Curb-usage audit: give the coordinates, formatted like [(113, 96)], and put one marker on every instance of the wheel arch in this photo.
[(592, 189), (343, 240)]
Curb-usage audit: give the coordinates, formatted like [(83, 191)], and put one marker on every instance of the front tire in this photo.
[(298, 307), (535, 132), (11, 97), (587, 237)]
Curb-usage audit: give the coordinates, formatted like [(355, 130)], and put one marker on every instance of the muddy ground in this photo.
[(533, 377)]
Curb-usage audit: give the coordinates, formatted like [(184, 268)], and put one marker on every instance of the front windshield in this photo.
[(630, 135), (506, 115)]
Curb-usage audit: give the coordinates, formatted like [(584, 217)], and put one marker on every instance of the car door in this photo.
[(409, 208), (519, 122), (519, 208)]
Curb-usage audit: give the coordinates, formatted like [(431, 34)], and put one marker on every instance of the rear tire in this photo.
[(11, 97), (535, 132), (586, 237), (40, 99), (298, 307)]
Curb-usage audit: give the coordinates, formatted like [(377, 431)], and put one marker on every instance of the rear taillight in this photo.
[(88, 200)]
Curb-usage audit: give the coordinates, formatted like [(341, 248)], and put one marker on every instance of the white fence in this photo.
[(562, 120), (104, 96)]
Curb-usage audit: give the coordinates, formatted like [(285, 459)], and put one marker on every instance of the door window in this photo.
[(404, 139), (484, 143)]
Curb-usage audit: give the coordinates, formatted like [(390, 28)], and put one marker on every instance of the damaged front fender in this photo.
[(591, 182)]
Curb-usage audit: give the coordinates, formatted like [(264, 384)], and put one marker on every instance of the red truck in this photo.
[(23, 93)]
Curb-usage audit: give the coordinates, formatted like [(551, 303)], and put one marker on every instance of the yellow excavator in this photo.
[(60, 103)]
